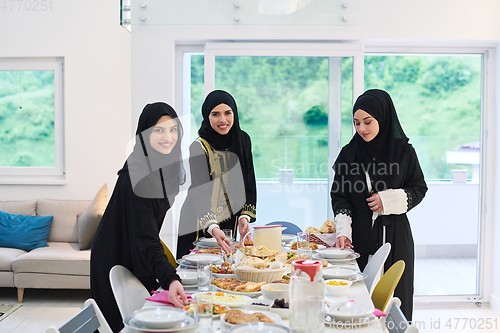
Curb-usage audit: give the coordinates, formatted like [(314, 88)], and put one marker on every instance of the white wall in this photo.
[(380, 23), (96, 51)]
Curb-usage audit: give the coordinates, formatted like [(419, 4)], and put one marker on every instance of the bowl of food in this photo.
[(160, 316), (281, 308), (337, 286), (274, 291)]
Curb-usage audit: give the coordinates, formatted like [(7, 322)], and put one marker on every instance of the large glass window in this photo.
[(30, 118), (438, 99)]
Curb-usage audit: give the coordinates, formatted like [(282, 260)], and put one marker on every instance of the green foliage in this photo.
[(27, 118)]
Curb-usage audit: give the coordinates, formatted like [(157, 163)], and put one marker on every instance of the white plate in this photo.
[(249, 294), (185, 264), (335, 253), (259, 327), (135, 325), (349, 258), (330, 322), (339, 272), (358, 277), (195, 258), (160, 316), (240, 301), (351, 311), (212, 242), (273, 316), (287, 237), (220, 276), (188, 278), (288, 249)]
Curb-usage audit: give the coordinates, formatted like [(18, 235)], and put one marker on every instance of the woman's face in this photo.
[(221, 118), (366, 125), (164, 135)]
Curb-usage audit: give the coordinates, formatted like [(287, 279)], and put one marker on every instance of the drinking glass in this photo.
[(303, 244), (315, 316), (203, 309), (229, 235), (204, 271)]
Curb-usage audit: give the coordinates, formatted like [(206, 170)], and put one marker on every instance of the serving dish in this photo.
[(273, 316)]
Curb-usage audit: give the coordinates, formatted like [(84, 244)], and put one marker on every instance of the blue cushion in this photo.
[(24, 232)]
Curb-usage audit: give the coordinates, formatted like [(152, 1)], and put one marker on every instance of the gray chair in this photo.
[(88, 320), (375, 265), (395, 321)]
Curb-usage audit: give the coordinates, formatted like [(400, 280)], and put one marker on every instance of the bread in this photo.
[(313, 230), (252, 262), (328, 227), (237, 317), (232, 284)]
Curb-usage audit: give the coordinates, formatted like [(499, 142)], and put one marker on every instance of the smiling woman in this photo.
[(164, 135)]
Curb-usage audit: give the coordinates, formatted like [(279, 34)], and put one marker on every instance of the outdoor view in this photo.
[(27, 119), (437, 98)]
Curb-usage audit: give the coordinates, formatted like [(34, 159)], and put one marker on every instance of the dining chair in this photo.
[(375, 265), (395, 321), (291, 228), (88, 320), (169, 254), (382, 292), (129, 292)]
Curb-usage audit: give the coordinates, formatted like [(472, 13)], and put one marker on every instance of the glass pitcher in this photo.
[(306, 284)]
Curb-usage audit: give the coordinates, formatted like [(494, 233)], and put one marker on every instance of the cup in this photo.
[(229, 235), (204, 272), (315, 316), (203, 309), (303, 245)]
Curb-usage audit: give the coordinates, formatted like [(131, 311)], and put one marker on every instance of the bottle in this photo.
[(306, 280)]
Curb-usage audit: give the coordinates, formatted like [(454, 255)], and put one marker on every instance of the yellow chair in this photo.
[(170, 257), (385, 287)]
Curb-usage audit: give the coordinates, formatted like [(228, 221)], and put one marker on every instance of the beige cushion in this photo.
[(7, 255), (64, 228), (51, 281), (89, 220), (25, 207), (57, 258), (7, 279)]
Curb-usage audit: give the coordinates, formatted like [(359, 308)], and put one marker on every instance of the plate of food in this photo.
[(218, 309), (223, 271), (236, 287), (224, 298), (237, 317)]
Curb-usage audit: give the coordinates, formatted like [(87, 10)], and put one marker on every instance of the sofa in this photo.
[(65, 262)]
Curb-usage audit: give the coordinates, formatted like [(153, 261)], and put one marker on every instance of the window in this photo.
[(31, 133)]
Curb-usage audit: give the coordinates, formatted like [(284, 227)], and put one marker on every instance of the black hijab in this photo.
[(379, 155), (232, 140), (153, 174)]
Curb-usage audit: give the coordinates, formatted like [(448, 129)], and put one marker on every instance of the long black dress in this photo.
[(350, 191), (210, 201), (128, 234), (222, 178)]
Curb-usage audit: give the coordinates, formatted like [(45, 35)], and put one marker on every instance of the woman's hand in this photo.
[(243, 228), (375, 203), (343, 242), (176, 294), (222, 240)]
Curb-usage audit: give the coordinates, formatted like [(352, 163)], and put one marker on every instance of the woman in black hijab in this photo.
[(223, 193), (377, 180), (128, 234)]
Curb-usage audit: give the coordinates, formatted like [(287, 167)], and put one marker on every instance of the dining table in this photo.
[(358, 292)]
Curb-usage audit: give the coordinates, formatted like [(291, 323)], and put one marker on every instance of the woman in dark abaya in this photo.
[(223, 193), (378, 179), (128, 234)]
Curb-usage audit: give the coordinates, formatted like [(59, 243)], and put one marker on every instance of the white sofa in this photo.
[(61, 265)]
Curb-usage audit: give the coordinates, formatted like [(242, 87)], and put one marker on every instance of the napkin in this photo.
[(162, 297)]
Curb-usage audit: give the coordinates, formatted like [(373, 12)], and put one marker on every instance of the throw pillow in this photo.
[(89, 220), (24, 232)]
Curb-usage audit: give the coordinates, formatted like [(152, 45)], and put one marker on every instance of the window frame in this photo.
[(41, 175)]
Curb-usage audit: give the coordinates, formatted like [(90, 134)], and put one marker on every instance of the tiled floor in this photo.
[(42, 308)]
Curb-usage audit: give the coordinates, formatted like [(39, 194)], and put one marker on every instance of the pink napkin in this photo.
[(379, 313), (162, 297)]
